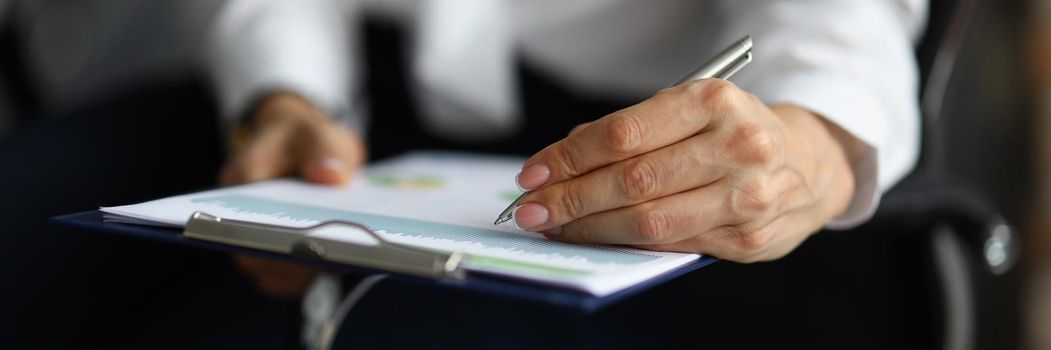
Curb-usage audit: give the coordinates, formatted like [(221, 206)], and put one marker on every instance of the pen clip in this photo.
[(737, 65), (384, 255)]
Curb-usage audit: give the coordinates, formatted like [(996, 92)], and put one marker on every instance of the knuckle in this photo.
[(755, 198), (578, 128), (654, 225), (755, 100), (752, 241), (624, 134), (715, 93), (568, 159), (572, 201), (751, 143), (665, 92), (640, 181)]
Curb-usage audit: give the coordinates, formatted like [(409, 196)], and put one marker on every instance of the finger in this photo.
[(665, 220), (724, 242), (742, 244), (265, 156), (719, 242), (692, 163), (760, 226), (332, 157), (668, 117)]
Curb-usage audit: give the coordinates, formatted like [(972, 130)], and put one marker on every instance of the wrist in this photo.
[(824, 154)]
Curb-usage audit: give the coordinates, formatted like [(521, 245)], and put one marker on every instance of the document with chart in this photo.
[(431, 200)]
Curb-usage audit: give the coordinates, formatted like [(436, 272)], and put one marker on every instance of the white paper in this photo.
[(444, 201)]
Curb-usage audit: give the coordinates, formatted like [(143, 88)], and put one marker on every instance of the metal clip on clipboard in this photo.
[(385, 255)]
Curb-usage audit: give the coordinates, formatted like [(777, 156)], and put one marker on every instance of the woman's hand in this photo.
[(288, 136), (702, 167)]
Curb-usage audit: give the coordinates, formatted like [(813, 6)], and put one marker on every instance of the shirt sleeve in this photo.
[(257, 47), (851, 62)]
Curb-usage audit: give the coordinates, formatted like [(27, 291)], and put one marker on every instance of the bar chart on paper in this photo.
[(433, 201), (410, 229)]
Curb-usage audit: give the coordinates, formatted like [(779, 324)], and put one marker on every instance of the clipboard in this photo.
[(422, 268)]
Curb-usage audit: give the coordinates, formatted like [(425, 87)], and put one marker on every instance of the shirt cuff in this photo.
[(260, 47)]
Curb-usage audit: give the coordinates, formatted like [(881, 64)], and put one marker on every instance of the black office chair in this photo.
[(973, 249)]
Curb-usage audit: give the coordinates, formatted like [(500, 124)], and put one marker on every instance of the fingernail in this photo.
[(554, 231), (530, 215), (532, 177), (335, 166)]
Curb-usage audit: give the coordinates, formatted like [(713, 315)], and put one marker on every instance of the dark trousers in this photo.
[(67, 289), (856, 290)]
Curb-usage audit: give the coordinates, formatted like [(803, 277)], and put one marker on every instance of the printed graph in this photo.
[(503, 242), (412, 182)]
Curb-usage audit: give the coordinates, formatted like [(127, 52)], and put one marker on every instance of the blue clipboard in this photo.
[(498, 286)]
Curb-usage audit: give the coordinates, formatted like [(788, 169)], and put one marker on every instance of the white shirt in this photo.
[(850, 61)]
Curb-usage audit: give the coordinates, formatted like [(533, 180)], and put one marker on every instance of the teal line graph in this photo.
[(427, 229)]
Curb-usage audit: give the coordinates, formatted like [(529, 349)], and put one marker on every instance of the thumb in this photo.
[(326, 169), (334, 158), (265, 157)]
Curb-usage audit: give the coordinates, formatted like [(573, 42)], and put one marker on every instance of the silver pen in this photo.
[(722, 66)]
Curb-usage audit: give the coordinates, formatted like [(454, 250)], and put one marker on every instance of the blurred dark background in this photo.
[(103, 103)]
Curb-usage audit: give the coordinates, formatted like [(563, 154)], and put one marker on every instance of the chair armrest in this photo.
[(920, 203)]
